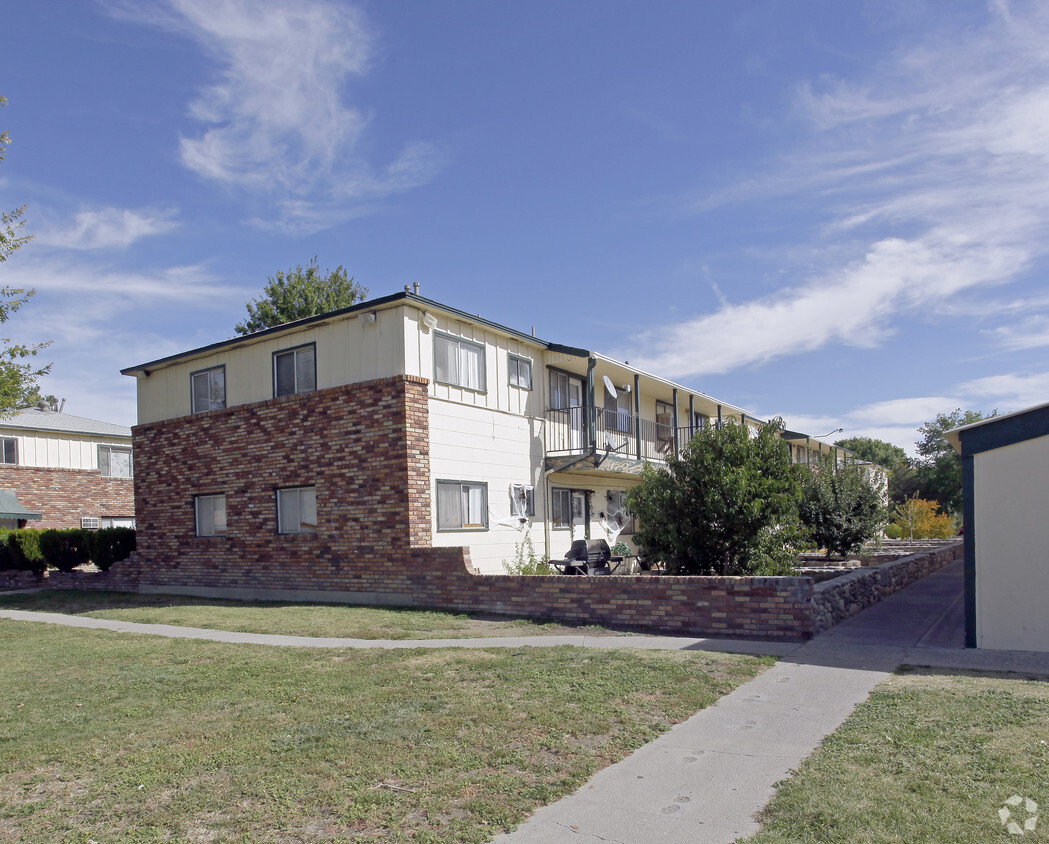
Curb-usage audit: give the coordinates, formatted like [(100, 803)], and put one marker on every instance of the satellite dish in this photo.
[(610, 388)]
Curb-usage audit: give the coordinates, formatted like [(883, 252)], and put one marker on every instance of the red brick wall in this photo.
[(64, 495), (366, 449)]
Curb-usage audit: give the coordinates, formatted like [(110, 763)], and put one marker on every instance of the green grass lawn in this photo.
[(325, 620), (932, 756), (114, 738)]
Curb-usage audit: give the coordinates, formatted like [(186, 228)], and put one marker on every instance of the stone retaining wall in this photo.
[(21, 580), (838, 599)]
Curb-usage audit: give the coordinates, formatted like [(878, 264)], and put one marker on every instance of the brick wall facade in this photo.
[(63, 496), (364, 447)]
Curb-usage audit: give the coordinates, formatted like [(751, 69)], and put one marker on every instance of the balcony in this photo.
[(608, 441)]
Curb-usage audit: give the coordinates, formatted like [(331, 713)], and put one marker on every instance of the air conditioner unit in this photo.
[(89, 522)]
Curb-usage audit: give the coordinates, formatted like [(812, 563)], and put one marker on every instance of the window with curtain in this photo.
[(211, 514), (115, 462), (520, 372), (208, 389), (522, 500), (462, 505), (295, 371), (459, 362), (297, 510)]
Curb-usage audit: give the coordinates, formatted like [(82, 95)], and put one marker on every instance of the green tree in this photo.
[(939, 466), (727, 505), (18, 386), (903, 480), (840, 507), (301, 293)]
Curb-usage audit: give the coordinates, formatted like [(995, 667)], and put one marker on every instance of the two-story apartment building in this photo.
[(398, 423), (67, 471)]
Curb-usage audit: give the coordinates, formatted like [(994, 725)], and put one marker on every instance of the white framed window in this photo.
[(462, 505), (522, 500), (115, 462), (210, 514), (9, 448), (568, 508), (295, 370), (458, 362), (520, 372), (89, 522), (618, 512), (118, 521), (297, 510), (208, 387)]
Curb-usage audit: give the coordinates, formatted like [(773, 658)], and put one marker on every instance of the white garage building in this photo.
[(1005, 477)]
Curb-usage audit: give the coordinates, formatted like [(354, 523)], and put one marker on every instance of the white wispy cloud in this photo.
[(277, 120), (107, 228), (933, 169)]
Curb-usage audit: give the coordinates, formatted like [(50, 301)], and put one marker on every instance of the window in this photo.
[(462, 505), (297, 510), (295, 371), (520, 372), (618, 512), (211, 514), (569, 508), (10, 449), (115, 462), (209, 389), (522, 500), (459, 362), (89, 522), (117, 521)]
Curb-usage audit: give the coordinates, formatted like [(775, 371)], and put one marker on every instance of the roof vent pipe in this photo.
[(407, 288), (416, 286)]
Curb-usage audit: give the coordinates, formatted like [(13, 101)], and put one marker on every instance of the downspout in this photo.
[(719, 416)]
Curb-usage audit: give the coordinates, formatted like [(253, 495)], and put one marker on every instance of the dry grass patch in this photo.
[(117, 738)]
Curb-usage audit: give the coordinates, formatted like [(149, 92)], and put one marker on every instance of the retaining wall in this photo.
[(838, 599)]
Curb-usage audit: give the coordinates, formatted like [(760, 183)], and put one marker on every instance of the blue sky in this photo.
[(834, 212)]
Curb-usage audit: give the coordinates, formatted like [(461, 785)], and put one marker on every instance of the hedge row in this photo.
[(36, 550)]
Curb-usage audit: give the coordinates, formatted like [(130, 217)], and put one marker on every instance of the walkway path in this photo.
[(703, 781)]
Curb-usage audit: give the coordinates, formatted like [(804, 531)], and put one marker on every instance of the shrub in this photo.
[(7, 561), (727, 505), (111, 545), (66, 549), (839, 506), (24, 548), (525, 561), (917, 518)]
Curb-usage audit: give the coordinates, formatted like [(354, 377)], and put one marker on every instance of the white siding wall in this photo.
[(1012, 546), (348, 350), (499, 394), (60, 451), (560, 538), (476, 444)]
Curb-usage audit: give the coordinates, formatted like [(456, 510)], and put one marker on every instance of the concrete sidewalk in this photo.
[(703, 782)]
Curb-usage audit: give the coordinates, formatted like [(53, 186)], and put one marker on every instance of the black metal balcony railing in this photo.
[(568, 432)]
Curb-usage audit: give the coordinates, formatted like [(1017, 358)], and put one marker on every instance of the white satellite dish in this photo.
[(610, 388)]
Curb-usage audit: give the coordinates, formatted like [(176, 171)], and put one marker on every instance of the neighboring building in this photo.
[(70, 471), (395, 424), (1005, 482)]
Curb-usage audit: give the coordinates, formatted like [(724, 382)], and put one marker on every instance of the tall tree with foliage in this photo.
[(903, 480), (727, 505), (840, 507), (939, 465), (301, 293), (18, 375)]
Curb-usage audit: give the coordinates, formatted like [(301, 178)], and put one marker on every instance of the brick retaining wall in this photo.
[(838, 599)]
